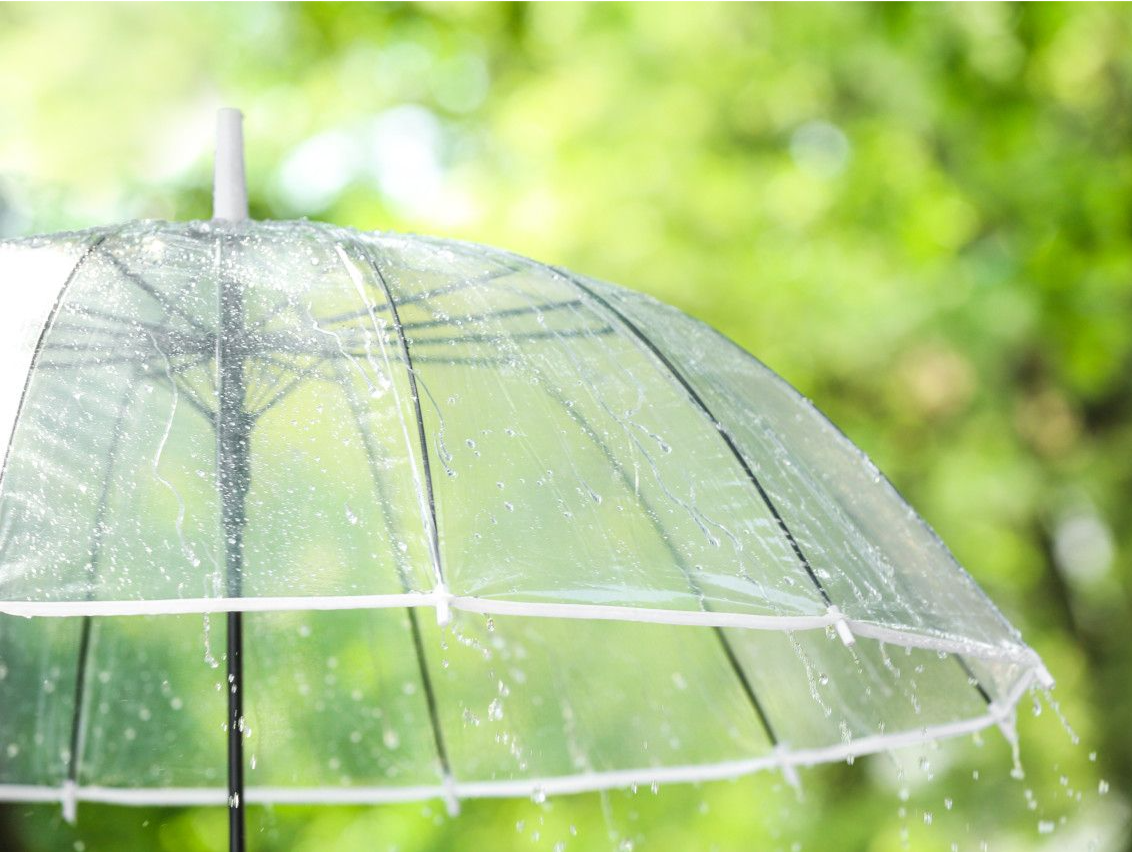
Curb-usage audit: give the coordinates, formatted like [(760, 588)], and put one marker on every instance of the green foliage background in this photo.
[(920, 215)]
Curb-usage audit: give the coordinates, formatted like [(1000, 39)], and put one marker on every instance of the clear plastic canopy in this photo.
[(647, 555)]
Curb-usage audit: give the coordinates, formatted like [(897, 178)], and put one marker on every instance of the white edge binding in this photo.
[(783, 759), (443, 601)]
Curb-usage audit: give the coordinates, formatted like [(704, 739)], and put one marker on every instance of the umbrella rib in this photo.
[(418, 297), (159, 297), (700, 404), (414, 624), (42, 339), (523, 336), (725, 643), (422, 437), (92, 573), (493, 315), (972, 678), (279, 395), (364, 312), (106, 316)]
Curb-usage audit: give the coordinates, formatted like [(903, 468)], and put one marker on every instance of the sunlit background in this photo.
[(921, 216)]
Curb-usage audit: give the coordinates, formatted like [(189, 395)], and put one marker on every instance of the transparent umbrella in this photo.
[(420, 518)]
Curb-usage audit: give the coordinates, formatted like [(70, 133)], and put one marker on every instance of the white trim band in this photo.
[(443, 601), (783, 759)]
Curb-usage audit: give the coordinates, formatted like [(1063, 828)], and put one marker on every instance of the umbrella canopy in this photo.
[(495, 528)]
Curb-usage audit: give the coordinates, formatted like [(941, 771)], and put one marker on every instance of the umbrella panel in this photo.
[(338, 704)]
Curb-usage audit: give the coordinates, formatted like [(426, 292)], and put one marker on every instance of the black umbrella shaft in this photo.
[(233, 428)]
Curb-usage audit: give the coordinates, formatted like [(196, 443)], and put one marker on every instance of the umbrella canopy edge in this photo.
[(783, 759)]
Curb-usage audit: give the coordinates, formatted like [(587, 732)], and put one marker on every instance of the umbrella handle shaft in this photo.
[(230, 202)]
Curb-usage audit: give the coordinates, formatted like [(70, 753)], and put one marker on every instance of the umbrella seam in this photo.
[(47, 325), (699, 402), (440, 592), (414, 393)]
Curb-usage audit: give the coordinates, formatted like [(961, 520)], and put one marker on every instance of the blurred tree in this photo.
[(918, 214)]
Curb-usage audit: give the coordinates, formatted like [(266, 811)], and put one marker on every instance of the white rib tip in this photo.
[(842, 627), (1004, 720), (451, 800), (443, 605), (229, 188), (70, 800), (788, 769), (1045, 679)]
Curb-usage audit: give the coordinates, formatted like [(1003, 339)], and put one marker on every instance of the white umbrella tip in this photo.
[(229, 188)]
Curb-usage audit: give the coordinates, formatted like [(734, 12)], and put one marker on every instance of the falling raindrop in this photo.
[(208, 658)]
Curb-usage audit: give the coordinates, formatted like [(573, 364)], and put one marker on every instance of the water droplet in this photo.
[(538, 795), (1102, 787), (495, 710), (350, 515)]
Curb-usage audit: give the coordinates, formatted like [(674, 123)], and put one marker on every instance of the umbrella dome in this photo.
[(494, 528)]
